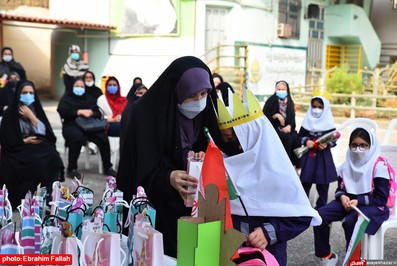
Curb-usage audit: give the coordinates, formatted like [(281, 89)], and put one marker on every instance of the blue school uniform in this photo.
[(372, 204), (317, 166), (278, 230)]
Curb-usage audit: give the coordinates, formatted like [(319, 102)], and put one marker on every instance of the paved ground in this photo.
[(300, 249)]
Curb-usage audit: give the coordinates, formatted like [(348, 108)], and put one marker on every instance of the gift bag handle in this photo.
[(82, 261), (49, 217), (75, 209), (75, 193)]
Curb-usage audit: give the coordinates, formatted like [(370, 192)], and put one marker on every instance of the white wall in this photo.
[(31, 44), (94, 11)]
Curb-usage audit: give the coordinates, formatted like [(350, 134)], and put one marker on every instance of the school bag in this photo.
[(392, 182)]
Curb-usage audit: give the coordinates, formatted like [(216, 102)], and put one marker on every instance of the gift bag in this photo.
[(103, 249), (139, 205), (9, 240), (198, 242), (110, 222), (87, 195), (48, 228), (30, 225), (194, 167), (148, 245), (5, 207), (68, 245), (75, 213), (40, 197)]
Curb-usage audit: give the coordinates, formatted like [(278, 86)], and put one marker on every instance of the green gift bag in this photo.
[(110, 222), (198, 242)]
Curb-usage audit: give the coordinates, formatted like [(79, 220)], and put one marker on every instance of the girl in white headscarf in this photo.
[(363, 182), (276, 207), (317, 164)]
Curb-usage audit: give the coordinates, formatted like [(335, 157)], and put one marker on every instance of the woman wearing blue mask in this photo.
[(280, 110), (76, 103), (28, 152), (112, 105), (164, 125), (74, 67), (317, 164)]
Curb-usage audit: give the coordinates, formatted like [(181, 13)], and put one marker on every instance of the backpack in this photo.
[(392, 182)]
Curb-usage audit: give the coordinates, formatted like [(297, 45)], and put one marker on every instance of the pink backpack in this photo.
[(392, 182), (249, 256)]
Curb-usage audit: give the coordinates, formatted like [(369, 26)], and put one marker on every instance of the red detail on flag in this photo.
[(214, 172)]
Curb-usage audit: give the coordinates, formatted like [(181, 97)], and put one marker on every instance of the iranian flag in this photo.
[(214, 172), (358, 232)]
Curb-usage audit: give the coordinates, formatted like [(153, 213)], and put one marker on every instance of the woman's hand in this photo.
[(199, 156), (31, 140), (258, 239), (286, 129), (26, 112), (280, 118), (115, 119), (183, 183), (85, 112)]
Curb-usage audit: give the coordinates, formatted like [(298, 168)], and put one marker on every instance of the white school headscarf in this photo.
[(357, 176), (322, 123), (264, 177)]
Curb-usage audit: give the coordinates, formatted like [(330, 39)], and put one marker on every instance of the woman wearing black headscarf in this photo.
[(280, 110), (90, 87), (76, 103), (223, 91), (162, 129), (137, 91), (28, 152), (8, 64)]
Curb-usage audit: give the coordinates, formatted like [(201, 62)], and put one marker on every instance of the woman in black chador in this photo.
[(166, 123), (28, 152), (74, 103), (280, 110)]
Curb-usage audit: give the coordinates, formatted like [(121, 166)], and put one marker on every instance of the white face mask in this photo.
[(359, 155), (316, 112), (7, 57), (192, 109), (89, 83)]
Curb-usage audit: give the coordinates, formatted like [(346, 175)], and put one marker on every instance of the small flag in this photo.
[(358, 232), (214, 172)]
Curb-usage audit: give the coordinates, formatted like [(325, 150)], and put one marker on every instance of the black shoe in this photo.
[(110, 172), (73, 173)]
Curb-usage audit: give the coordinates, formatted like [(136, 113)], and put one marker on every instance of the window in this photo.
[(289, 12)]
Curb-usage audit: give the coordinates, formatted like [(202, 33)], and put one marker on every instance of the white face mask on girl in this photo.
[(359, 155), (192, 109), (316, 112)]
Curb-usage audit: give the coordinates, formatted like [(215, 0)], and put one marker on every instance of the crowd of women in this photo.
[(28, 153), (158, 131)]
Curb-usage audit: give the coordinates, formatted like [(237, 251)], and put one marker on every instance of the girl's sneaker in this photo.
[(331, 261)]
